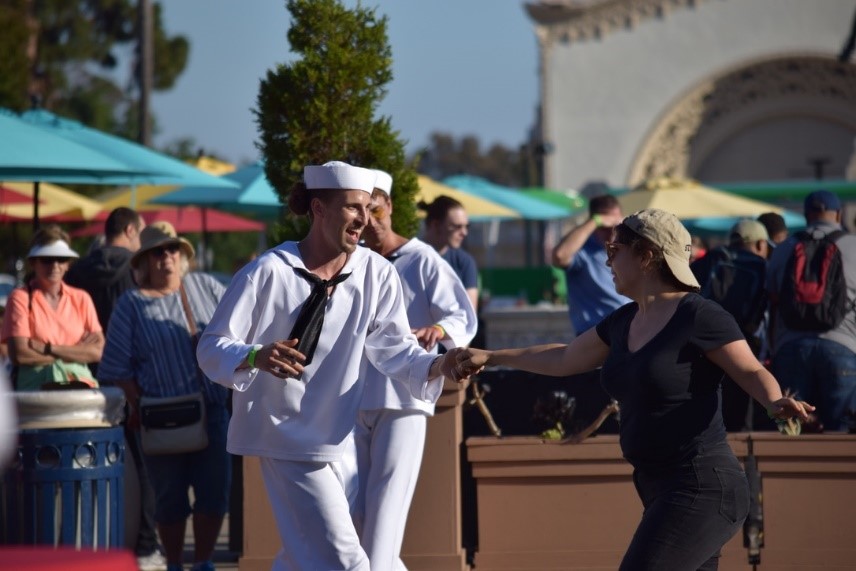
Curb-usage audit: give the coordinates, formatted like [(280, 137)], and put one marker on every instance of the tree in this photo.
[(13, 55), (446, 157), (321, 107), (71, 48)]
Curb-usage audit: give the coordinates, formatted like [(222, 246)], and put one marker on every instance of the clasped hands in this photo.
[(282, 359), (460, 363)]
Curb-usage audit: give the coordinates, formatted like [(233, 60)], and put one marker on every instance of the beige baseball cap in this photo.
[(666, 231), (748, 231)]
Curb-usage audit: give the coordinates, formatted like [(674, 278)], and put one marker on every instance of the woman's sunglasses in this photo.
[(612, 249), (169, 248), (49, 261)]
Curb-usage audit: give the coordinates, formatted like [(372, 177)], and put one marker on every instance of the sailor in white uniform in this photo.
[(293, 336), (390, 434)]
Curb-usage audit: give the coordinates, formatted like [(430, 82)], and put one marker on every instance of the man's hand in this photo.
[(429, 336), (611, 219), (281, 359)]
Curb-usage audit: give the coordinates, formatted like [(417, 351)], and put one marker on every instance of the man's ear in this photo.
[(317, 207)]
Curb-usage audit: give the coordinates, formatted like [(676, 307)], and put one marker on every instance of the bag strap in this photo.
[(191, 327), (188, 313)]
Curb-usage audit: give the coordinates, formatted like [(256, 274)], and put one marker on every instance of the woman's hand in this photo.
[(471, 361), (789, 407), (448, 365)]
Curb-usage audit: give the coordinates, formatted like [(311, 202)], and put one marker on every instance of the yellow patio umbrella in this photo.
[(689, 199), (213, 166), (55, 202), (477, 208), (139, 197)]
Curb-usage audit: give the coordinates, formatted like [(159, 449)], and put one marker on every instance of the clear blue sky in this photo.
[(460, 67)]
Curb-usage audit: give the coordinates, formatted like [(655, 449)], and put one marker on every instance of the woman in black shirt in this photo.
[(662, 358)]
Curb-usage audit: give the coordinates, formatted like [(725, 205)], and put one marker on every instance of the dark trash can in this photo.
[(66, 484)]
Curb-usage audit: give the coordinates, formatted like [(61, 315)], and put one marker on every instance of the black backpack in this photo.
[(736, 282), (813, 296)]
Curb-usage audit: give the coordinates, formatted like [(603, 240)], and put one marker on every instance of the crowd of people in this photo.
[(324, 357)]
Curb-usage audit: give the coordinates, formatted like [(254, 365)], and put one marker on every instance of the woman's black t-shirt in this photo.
[(667, 390)]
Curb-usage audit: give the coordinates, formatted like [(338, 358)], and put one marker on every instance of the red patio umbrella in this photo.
[(12, 196), (185, 220)]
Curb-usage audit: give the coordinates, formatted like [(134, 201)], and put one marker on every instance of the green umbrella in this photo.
[(570, 202)]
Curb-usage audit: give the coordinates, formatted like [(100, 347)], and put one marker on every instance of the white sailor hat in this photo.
[(384, 181), (339, 175)]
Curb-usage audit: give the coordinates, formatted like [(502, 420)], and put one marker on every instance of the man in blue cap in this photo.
[(811, 278)]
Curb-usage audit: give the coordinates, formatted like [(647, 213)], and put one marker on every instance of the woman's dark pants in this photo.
[(690, 512)]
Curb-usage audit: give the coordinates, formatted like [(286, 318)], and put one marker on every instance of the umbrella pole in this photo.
[(204, 239), (35, 206)]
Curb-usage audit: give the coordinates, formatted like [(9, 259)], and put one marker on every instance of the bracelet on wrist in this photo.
[(48, 349), (598, 220), (251, 356), (440, 329)]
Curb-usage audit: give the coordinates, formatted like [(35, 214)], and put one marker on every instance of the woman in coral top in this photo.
[(51, 328)]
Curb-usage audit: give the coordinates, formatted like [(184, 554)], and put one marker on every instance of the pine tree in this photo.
[(322, 106)]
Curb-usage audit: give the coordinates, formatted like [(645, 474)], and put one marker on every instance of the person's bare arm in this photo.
[(28, 352), (741, 365), (571, 242), (132, 397), (584, 353), (88, 350)]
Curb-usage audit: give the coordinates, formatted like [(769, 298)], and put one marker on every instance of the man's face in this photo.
[(343, 217), (455, 227), (379, 222), (610, 218), (133, 233)]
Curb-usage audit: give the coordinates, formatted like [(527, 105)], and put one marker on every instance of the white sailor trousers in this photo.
[(389, 447), (311, 511)]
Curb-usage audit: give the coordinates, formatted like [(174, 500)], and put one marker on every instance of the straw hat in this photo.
[(160, 233)]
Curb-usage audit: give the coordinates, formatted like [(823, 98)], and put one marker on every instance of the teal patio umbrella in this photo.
[(31, 154), (789, 190), (721, 225), (528, 207), (28, 153), (252, 194), (157, 168)]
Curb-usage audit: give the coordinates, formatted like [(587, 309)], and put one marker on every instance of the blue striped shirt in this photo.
[(148, 340)]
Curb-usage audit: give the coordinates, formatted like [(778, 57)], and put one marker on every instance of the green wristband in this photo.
[(251, 356), (598, 221)]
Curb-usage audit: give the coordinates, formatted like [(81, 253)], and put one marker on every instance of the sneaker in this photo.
[(154, 561), (203, 566)]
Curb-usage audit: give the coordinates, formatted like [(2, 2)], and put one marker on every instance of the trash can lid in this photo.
[(74, 408)]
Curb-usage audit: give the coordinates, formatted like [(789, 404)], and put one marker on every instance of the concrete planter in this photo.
[(548, 506), (432, 540)]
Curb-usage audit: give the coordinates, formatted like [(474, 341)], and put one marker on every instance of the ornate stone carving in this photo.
[(580, 20), (668, 148)]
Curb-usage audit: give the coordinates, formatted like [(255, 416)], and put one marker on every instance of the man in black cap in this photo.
[(811, 278)]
